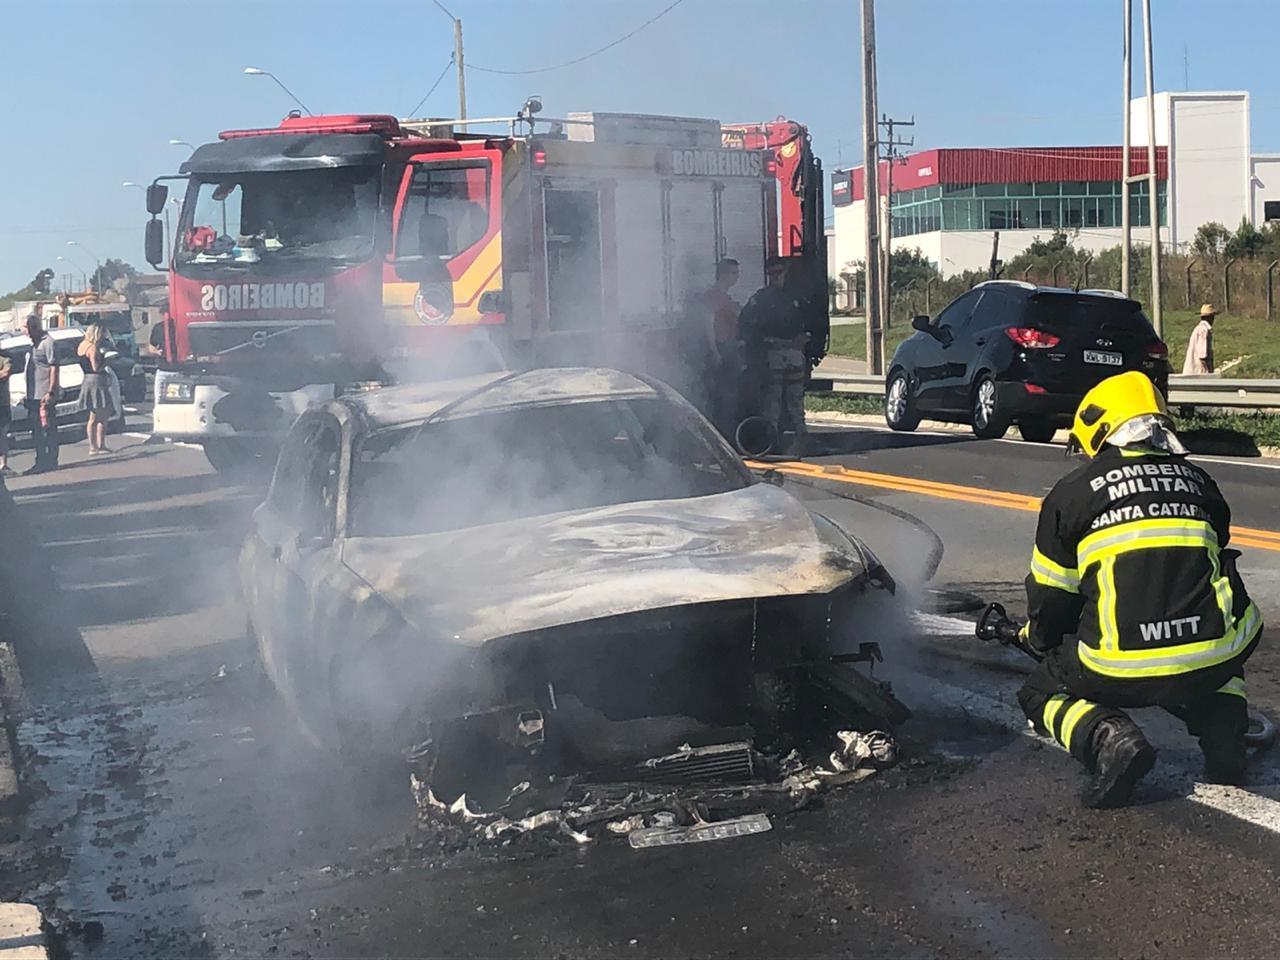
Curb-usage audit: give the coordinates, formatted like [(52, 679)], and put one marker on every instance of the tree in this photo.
[(111, 271), (37, 289), (1211, 241), (1040, 258), (1248, 241)]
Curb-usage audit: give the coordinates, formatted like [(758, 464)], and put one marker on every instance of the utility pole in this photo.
[(995, 255), (891, 156), (457, 59), (462, 73), (871, 190), (1153, 205), (1126, 227)]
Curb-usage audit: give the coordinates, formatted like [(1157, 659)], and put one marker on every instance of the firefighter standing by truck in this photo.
[(773, 328), (1130, 556)]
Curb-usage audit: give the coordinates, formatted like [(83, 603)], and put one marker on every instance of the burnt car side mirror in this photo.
[(920, 323)]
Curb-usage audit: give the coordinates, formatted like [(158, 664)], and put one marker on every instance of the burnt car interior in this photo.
[(535, 461)]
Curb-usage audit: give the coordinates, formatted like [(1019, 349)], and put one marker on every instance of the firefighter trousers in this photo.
[(784, 389), (1065, 700)]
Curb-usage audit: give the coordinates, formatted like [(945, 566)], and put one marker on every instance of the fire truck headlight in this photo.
[(177, 391)]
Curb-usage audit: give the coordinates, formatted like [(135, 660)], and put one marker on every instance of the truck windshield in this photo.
[(113, 321), (326, 215)]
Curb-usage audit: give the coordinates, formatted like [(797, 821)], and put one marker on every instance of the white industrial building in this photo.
[(949, 202)]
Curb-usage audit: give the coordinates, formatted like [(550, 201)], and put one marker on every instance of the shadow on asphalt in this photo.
[(833, 443)]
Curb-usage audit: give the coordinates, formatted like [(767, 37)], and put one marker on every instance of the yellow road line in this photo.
[(1240, 536)]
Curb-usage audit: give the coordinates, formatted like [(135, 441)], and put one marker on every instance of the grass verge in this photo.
[(1234, 337)]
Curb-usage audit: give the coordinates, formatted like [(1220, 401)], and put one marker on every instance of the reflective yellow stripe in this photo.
[(1049, 573), (1145, 535), (1169, 661), (1234, 686), (1075, 713), (1051, 710), (1108, 632)]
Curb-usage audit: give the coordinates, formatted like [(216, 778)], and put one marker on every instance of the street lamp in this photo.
[(259, 72), (97, 259), (183, 143)]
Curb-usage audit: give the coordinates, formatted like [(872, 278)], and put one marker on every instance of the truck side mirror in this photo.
[(154, 243), (920, 323), (157, 197)]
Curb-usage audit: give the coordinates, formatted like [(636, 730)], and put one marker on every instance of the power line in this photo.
[(586, 56), (433, 87)]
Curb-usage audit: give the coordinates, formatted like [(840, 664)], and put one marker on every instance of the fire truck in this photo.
[(335, 250)]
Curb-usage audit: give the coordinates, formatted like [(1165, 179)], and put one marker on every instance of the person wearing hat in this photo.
[(1134, 599), (1200, 346), (772, 322)]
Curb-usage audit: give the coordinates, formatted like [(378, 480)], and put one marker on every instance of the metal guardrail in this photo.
[(1183, 391)]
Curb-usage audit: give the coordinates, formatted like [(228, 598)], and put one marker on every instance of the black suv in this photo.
[(1011, 352)]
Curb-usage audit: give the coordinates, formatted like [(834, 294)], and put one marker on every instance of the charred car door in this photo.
[(307, 564)]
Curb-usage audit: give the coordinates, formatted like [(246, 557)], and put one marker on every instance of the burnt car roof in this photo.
[(414, 404)]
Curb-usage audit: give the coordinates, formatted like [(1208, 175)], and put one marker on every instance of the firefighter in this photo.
[(1130, 556), (772, 323)]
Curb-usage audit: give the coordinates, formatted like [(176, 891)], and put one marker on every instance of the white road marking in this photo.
[(1177, 770)]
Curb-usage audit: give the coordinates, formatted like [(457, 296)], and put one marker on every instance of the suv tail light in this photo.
[(1031, 338), (1158, 351)]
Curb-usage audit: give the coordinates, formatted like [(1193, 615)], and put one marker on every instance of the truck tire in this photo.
[(238, 459)]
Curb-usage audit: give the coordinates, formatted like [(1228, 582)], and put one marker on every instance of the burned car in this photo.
[(568, 566)]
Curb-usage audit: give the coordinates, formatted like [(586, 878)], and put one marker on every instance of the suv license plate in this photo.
[(1101, 356), (699, 833)]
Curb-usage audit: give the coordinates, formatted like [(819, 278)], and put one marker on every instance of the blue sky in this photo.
[(96, 88)]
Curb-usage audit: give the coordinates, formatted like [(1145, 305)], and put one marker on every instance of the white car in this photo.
[(70, 377)]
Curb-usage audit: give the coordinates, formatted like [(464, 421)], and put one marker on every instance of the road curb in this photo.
[(10, 702), (22, 932)]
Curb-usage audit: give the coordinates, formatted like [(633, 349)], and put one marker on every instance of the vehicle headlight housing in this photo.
[(177, 391)]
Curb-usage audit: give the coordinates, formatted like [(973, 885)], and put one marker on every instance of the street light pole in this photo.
[(457, 59), (97, 260), (259, 72), (871, 191), (183, 143), (1126, 228), (1153, 205)]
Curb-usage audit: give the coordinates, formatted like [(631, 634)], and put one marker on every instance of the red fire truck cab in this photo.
[(336, 249)]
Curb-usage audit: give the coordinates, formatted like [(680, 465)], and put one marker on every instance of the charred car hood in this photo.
[(476, 584)]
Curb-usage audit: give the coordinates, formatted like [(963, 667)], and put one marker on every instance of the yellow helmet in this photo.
[(1111, 404)]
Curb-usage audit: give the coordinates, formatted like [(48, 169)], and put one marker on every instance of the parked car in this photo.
[(572, 556), (1012, 352), (129, 374)]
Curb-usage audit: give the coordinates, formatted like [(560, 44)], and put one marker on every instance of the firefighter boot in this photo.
[(1225, 755), (1122, 757)]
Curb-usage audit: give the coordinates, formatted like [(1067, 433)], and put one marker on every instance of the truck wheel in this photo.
[(987, 418), (238, 458)]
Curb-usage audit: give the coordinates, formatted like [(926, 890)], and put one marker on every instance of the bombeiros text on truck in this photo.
[(336, 250)]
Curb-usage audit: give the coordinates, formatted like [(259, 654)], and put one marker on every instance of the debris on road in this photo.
[(660, 813)]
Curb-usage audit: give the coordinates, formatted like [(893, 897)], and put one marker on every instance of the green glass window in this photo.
[(989, 190), (1049, 188)]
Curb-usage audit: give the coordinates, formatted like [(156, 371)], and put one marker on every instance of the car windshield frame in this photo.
[(635, 474), (265, 248)]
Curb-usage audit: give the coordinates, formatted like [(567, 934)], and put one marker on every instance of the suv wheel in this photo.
[(986, 415), (1037, 429), (899, 412)]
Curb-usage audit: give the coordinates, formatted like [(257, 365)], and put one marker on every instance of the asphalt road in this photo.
[(181, 812)]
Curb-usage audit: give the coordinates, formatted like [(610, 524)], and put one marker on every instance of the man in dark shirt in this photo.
[(772, 322), (6, 414), (42, 393)]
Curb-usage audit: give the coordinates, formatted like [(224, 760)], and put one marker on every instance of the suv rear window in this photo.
[(1088, 313)]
